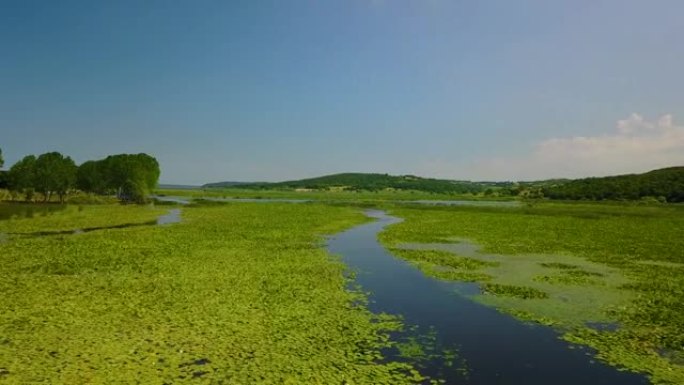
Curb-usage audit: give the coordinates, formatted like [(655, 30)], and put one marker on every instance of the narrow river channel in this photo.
[(491, 348)]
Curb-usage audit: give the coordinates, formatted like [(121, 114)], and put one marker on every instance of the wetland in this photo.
[(329, 292)]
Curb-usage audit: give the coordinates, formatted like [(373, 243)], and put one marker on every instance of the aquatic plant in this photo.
[(239, 293), (618, 263), (513, 291)]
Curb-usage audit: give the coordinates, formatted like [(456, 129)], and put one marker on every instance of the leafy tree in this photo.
[(131, 176), (667, 183), (2, 161), (132, 191), (54, 173), (66, 177), (91, 177), (21, 176)]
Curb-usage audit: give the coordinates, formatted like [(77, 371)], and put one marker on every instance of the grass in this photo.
[(611, 263), (238, 293)]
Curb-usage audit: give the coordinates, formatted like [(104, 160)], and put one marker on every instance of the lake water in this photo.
[(9, 211), (173, 216), (491, 348), (27, 210)]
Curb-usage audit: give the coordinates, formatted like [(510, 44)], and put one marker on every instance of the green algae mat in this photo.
[(236, 294)]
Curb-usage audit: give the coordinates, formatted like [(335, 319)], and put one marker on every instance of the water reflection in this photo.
[(27, 210)]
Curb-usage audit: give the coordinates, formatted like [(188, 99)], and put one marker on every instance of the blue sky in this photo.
[(273, 90)]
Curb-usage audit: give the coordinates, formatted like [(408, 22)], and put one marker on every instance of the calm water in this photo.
[(465, 203), (172, 199), (173, 216), (27, 210), (493, 348), (8, 211), (188, 200)]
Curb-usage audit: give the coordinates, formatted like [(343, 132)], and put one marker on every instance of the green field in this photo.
[(565, 265), (240, 293)]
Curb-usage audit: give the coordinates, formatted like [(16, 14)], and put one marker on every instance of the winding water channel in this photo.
[(491, 348)]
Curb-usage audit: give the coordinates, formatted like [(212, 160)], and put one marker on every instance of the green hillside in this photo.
[(368, 182), (663, 184)]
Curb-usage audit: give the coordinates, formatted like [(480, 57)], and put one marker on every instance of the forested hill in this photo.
[(368, 182), (233, 184), (664, 184)]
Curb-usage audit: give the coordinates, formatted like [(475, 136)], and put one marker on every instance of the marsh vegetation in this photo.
[(571, 266), (238, 293), (245, 292)]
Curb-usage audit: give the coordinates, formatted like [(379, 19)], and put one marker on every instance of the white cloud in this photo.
[(635, 145)]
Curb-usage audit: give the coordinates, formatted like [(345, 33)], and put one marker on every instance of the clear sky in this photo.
[(272, 90)]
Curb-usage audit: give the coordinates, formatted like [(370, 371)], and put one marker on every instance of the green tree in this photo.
[(2, 161), (66, 177), (91, 177), (54, 173), (131, 176), (21, 177)]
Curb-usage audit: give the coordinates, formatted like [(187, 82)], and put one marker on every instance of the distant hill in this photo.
[(366, 182), (177, 186), (664, 184), (230, 184)]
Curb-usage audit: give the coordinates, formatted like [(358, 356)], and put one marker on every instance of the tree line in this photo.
[(130, 177), (665, 185)]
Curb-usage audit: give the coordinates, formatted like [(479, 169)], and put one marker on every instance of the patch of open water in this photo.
[(27, 210), (492, 348), (173, 216)]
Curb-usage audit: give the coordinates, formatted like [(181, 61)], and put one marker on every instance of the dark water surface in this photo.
[(480, 203), (30, 211), (492, 348), (27, 210)]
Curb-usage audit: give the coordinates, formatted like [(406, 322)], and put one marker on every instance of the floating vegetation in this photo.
[(421, 349), (513, 291), (235, 293), (573, 276), (572, 294), (445, 265), (611, 264)]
